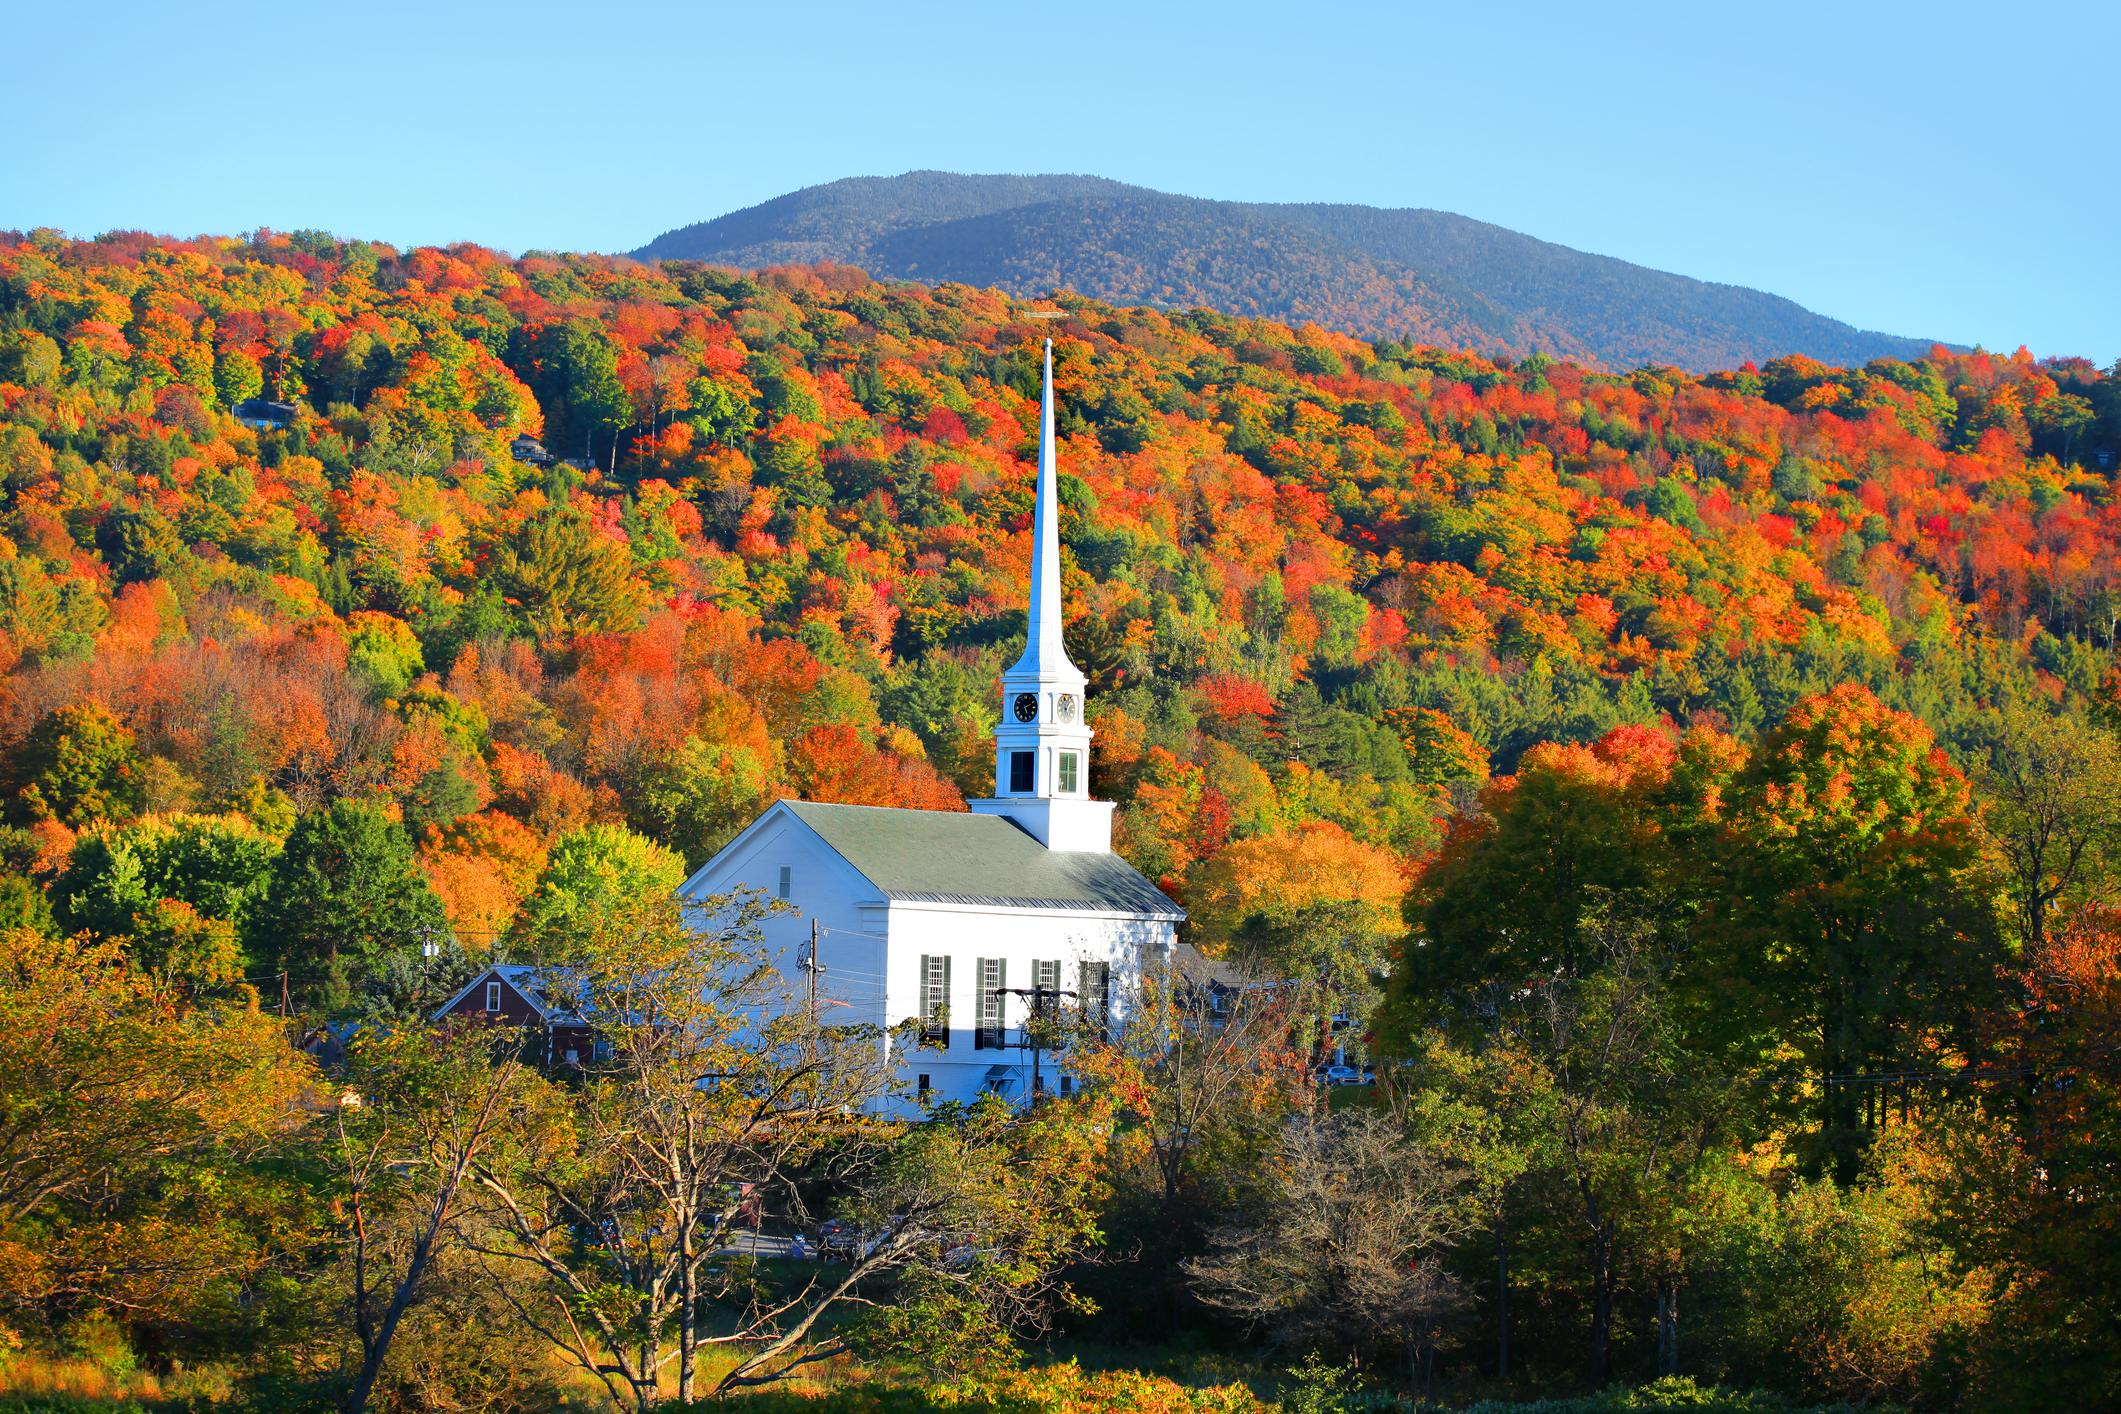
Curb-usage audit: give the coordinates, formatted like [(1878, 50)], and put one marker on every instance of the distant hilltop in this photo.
[(1427, 275)]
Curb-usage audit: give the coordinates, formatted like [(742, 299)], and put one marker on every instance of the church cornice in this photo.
[(977, 903)]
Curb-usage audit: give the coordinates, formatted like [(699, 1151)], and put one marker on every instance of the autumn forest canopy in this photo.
[(1696, 797)]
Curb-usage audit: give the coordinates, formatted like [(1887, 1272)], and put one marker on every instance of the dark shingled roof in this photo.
[(941, 856)]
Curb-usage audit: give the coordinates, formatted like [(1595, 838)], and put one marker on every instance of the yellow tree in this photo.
[(2051, 788), (1310, 907), (1316, 863), (111, 1081)]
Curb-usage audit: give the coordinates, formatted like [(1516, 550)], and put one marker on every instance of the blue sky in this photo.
[(1942, 170)]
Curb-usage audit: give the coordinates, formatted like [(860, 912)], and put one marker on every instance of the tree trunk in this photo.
[(1502, 1306), (1602, 1304), (376, 1341), (688, 1333), (651, 1361)]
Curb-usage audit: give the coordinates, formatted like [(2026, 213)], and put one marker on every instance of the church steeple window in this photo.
[(1068, 760), (1023, 770)]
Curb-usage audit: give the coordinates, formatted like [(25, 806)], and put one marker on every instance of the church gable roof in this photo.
[(938, 856)]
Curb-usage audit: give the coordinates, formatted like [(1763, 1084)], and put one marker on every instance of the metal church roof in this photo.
[(942, 856)]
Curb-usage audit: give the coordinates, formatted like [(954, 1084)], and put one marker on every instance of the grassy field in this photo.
[(1063, 1380)]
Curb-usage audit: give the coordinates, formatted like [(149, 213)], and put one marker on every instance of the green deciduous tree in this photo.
[(236, 377), (81, 766), (592, 872), (383, 650), (345, 885), (426, 1111), (562, 576), (114, 1086), (219, 865), (1505, 899), (978, 1211), (47, 616), (2051, 817), (571, 366), (697, 797)]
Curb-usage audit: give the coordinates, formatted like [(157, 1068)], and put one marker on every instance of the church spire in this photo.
[(1045, 650), (1042, 742)]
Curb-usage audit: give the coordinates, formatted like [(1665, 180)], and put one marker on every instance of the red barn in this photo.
[(508, 994)]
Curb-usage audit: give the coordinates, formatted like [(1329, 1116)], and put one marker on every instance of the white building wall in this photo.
[(821, 886), (1019, 937)]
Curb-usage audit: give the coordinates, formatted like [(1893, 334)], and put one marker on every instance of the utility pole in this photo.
[(283, 995), (812, 966), (429, 951), (1037, 996)]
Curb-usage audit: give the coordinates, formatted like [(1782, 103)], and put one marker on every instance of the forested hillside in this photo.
[(1626, 314), (833, 221), (1402, 274), (1698, 797), (796, 559)]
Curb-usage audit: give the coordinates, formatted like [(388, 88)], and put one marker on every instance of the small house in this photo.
[(264, 415)]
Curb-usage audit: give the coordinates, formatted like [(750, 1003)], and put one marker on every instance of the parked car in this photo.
[(1340, 1075), (838, 1241)]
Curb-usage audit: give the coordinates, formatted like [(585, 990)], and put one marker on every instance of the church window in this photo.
[(993, 975), (935, 1001), (786, 872), (924, 1087), (1067, 772), (1023, 770), (1093, 993)]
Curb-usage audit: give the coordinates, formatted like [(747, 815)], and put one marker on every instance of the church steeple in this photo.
[(1042, 743), (1045, 651)]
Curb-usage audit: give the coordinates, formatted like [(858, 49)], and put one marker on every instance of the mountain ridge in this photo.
[(1369, 271)]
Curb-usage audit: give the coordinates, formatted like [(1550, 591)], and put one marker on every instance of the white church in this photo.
[(958, 920)]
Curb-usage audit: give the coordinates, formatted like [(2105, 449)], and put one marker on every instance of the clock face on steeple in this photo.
[(1064, 706), (1027, 706)]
